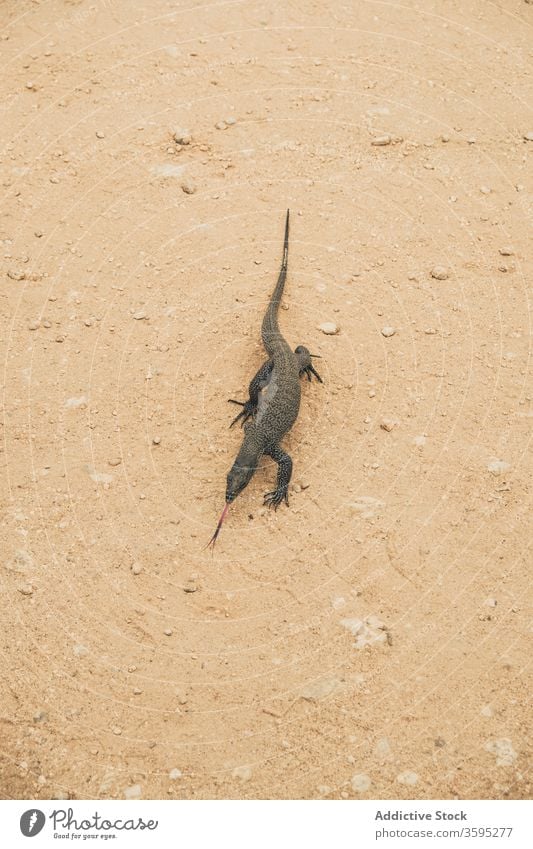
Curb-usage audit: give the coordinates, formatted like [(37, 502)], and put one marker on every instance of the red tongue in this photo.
[(214, 537)]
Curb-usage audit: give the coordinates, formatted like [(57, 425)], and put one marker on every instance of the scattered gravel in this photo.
[(329, 328), (439, 272)]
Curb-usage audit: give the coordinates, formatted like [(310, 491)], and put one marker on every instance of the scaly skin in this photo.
[(274, 401)]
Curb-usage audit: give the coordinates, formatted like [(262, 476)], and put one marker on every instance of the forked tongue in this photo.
[(213, 539)]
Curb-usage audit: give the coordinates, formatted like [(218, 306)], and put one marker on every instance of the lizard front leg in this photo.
[(281, 493), (249, 408)]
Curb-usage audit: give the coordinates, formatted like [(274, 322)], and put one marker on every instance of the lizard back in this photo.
[(279, 402)]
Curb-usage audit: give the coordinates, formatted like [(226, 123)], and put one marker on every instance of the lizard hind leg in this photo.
[(281, 493), (247, 411), (249, 407), (304, 363)]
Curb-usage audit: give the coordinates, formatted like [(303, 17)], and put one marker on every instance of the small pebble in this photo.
[(485, 190), (133, 792), (182, 138), (528, 136), (100, 134), (30, 86), (231, 121), (25, 589), (439, 272), (34, 325), (498, 466), (243, 773), (16, 275), (381, 141), (136, 568), (139, 315), (388, 331), (40, 716), (407, 777), (329, 328), (503, 750), (115, 461), (360, 783), (221, 125), (175, 773), (506, 251), (168, 632), (88, 322), (156, 440), (80, 650), (117, 731), (388, 424), (188, 187)]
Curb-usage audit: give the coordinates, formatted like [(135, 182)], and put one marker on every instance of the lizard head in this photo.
[(239, 476)]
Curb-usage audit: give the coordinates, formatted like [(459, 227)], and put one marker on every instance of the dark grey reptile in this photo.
[(273, 404)]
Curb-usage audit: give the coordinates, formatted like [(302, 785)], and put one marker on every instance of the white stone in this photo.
[(360, 783), (503, 750), (407, 777)]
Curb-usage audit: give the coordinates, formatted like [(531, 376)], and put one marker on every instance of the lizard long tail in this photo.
[(270, 331)]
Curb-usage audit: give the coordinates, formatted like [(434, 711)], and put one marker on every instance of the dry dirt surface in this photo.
[(371, 640)]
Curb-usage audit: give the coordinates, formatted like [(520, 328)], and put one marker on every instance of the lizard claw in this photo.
[(309, 370), (274, 498), (246, 412)]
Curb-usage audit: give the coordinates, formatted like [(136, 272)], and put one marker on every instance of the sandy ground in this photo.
[(370, 640)]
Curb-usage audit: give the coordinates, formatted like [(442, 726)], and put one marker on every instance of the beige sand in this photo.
[(371, 640)]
